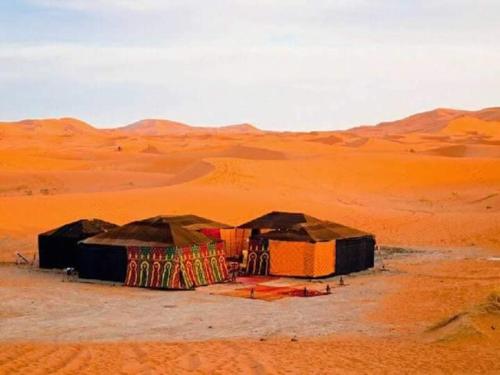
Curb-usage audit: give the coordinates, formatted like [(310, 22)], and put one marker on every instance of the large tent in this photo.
[(196, 223), (160, 252), (295, 244), (234, 238), (58, 248)]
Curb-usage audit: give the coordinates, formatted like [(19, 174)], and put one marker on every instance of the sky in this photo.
[(281, 65)]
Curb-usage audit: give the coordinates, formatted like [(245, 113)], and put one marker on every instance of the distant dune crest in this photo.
[(428, 122), (51, 126), (167, 127), (433, 121)]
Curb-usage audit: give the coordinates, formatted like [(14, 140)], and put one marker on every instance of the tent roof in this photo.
[(289, 226), (191, 222), (81, 228), (279, 220), (155, 232), (326, 231)]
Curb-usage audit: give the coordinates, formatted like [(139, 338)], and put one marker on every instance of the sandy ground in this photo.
[(435, 188), (334, 356), (426, 310)]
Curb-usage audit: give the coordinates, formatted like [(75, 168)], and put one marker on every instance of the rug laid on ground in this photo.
[(271, 288), (273, 293), (258, 257), (176, 268)]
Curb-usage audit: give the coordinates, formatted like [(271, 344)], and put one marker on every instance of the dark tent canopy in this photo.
[(58, 248), (314, 232), (354, 249), (104, 256), (193, 222), (153, 232), (279, 220)]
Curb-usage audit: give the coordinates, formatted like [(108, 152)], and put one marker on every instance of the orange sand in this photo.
[(332, 356), (429, 311), (431, 180)]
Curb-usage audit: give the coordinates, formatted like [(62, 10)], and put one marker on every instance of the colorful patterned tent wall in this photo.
[(204, 264), (176, 268), (258, 257)]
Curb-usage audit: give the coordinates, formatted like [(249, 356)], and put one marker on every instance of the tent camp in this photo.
[(158, 252), (58, 247), (295, 244)]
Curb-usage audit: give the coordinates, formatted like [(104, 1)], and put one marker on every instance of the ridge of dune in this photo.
[(429, 121), (167, 127), (471, 125), (488, 114), (432, 121), (51, 126), (155, 127), (239, 128), (426, 122)]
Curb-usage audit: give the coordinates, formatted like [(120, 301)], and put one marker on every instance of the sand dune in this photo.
[(488, 114), (422, 122), (427, 122), (156, 127), (410, 183), (466, 151), (246, 152), (431, 181), (167, 127), (60, 126), (468, 125)]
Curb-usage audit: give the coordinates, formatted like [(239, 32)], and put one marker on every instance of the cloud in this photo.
[(104, 5), (158, 5), (300, 64), (306, 65)]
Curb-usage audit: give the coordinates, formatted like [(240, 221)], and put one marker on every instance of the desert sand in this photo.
[(430, 182)]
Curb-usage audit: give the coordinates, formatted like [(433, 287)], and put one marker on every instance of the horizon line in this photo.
[(216, 126)]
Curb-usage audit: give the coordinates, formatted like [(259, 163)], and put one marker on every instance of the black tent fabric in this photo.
[(104, 256), (102, 262), (313, 232), (192, 222), (58, 247), (354, 254), (296, 226), (157, 231), (279, 220)]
